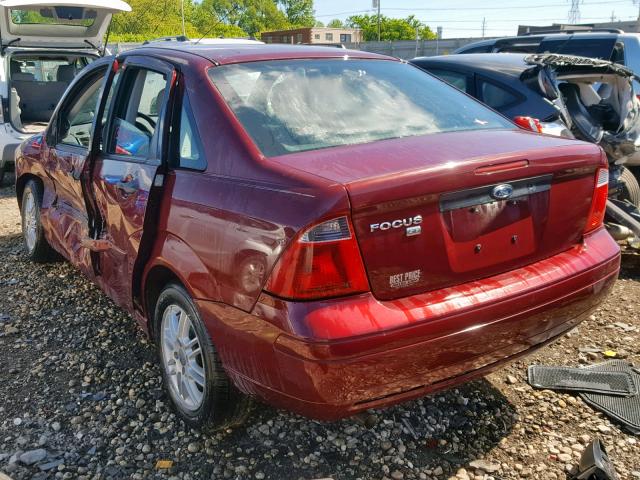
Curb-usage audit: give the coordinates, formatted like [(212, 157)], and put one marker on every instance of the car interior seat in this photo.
[(587, 128)]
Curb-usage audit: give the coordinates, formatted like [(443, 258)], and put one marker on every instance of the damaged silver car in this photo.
[(595, 100)]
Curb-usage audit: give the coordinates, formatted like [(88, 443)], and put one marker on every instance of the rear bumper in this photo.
[(404, 349)]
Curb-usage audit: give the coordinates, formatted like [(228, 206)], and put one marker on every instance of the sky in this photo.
[(460, 18)]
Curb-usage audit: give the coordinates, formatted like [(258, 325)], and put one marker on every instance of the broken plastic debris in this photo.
[(595, 464), (164, 464), (610, 353)]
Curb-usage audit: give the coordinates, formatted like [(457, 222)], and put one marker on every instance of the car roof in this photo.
[(227, 53), (543, 37), (501, 63)]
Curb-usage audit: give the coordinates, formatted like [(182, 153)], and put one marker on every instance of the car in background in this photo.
[(589, 99), (606, 44), (496, 81), (355, 233), (43, 45), (613, 45)]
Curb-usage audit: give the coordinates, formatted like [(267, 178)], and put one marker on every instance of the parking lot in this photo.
[(80, 390)]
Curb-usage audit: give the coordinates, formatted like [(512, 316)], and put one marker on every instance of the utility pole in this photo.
[(184, 31), (378, 2), (484, 25), (613, 16)]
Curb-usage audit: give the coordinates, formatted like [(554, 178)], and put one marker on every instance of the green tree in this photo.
[(390, 28), (211, 18), (318, 24), (335, 23), (250, 16), (299, 12), (150, 19)]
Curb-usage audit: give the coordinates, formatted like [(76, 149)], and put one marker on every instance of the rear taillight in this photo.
[(528, 123), (599, 201), (323, 261)]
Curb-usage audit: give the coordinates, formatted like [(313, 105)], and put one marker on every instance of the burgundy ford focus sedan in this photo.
[(326, 230)]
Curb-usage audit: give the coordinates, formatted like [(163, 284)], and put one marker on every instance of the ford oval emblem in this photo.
[(502, 191)]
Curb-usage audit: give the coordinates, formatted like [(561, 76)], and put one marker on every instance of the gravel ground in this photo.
[(81, 397)]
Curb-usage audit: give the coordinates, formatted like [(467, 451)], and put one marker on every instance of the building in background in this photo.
[(314, 35), (631, 26)]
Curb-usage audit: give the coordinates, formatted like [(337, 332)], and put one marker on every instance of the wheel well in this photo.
[(22, 181), (157, 279)]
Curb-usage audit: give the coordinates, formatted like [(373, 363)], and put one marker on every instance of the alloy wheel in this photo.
[(182, 358), (30, 221)]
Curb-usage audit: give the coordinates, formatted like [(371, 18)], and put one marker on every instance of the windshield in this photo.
[(296, 105)]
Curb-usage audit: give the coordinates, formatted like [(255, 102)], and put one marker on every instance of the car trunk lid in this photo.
[(57, 24), (445, 209)]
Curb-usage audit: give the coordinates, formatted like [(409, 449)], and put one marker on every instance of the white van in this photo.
[(43, 45)]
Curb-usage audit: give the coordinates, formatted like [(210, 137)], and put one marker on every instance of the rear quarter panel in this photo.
[(242, 207)]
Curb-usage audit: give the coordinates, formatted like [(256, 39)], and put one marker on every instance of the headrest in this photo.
[(23, 76), (65, 73)]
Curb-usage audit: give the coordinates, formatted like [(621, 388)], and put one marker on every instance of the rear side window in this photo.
[(300, 105), (583, 47), (480, 49), (458, 80), (496, 97), (189, 150)]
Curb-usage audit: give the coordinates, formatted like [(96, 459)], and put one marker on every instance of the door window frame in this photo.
[(159, 144), (53, 134)]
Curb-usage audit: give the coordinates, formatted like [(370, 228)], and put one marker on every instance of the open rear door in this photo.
[(127, 173), (57, 24)]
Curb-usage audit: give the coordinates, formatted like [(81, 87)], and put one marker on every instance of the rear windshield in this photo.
[(296, 105), (58, 15)]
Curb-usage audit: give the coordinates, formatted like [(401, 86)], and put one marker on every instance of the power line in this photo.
[(574, 11), (506, 7), (511, 20), (448, 9)]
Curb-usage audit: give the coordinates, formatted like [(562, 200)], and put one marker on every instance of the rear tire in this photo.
[(630, 189), (3, 168), (197, 385), (36, 245)]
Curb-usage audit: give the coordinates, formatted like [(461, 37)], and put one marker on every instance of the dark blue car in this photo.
[(495, 79), (577, 97)]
